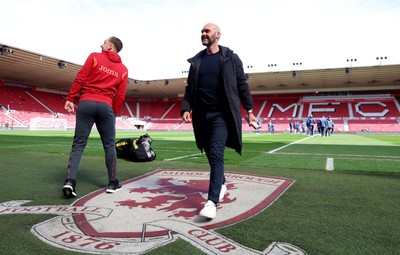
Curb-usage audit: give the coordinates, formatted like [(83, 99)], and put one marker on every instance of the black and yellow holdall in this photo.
[(136, 149)]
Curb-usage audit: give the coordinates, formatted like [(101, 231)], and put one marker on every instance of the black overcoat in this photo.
[(237, 91)]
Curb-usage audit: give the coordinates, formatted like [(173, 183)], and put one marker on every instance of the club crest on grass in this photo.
[(155, 209)]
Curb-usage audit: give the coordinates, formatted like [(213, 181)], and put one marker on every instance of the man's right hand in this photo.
[(69, 106), (186, 117)]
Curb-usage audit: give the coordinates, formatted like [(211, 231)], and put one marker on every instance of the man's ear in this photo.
[(110, 47)]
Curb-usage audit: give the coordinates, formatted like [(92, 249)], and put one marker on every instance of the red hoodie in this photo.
[(103, 78)]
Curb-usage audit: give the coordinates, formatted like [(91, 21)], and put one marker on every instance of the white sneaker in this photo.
[(209, 210), (223, 192)]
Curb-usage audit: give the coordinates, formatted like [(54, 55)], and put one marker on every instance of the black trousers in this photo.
[(101, 114)]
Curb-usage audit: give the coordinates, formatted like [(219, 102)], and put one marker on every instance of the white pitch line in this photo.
[(187, 156), (280, 148), (329, 164), (368, 157)]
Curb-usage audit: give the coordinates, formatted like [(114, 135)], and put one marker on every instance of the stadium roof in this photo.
[(22, 66)]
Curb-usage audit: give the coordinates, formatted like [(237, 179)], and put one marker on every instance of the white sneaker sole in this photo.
[(207, 214), (209, 211), (223, 192), (113, 190)]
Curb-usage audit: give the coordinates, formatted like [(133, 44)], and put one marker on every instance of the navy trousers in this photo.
[(215, 133)]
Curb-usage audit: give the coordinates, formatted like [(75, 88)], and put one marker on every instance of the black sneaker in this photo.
[(113, 186), (69, 188)]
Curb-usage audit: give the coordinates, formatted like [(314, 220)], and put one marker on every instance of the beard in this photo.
[(207, 41)]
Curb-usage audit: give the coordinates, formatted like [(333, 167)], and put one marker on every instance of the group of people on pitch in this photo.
[(325, 126)]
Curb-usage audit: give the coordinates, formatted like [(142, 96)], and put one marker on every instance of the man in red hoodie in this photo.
[(101, 86)]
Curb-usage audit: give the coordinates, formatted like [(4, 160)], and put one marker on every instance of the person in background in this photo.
[(311, 123), (296, 127), (291, 127), (101, 85), (269, 127), (329, 124), (319, 126), (323, 126), (216, 86), (303, 127)]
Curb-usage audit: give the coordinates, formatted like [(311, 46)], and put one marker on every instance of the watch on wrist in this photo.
[(250, 111)]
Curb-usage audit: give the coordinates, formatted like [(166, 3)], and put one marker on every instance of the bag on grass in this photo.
[(136, 149)]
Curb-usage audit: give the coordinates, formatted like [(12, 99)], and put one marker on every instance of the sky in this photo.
[(160, 35)]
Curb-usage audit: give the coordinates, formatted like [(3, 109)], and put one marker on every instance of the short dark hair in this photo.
[(117, 42)]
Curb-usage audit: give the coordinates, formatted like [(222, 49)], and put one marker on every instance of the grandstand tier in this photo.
[(24, 106)]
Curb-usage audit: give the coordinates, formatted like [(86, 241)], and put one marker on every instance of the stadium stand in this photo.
[(366, 112)]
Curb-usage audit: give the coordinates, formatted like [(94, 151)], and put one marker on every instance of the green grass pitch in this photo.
[(352, 208)]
